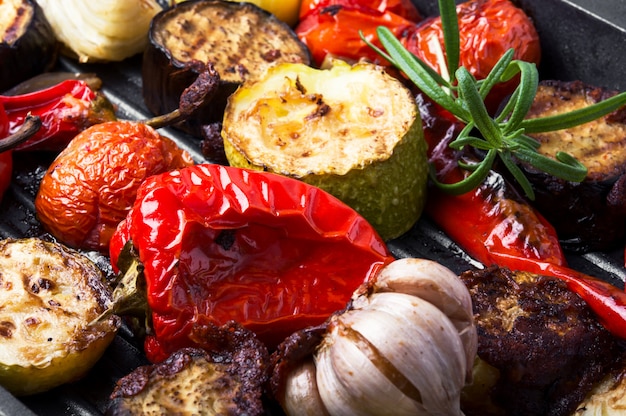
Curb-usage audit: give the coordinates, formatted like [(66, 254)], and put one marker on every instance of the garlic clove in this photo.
[(301, 394), (350, 383), (438, 285), (399, 352), (430, 281)]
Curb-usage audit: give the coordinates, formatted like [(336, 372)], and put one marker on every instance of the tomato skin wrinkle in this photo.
[(221, 243)]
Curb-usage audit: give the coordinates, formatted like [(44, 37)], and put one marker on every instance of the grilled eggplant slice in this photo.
[(590, 215), (240, 39), (49, 295), (226, 381), (27, 44), (353, 131), (540, 348)]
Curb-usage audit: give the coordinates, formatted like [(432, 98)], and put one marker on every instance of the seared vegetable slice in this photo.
[(227, 380), (354, 131), (103, 30), (27, 42), (590, 215), (49, 296), (240, 39), (540, 347)]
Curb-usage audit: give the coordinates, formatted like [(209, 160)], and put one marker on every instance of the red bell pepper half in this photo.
[(219, 243)]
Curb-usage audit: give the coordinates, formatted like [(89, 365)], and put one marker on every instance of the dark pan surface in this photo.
[(581, 39)]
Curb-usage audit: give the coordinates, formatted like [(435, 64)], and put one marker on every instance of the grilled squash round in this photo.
[(352, 130), (49, 296)]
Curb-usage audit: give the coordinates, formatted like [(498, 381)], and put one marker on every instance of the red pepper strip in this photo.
[(6, 157), (65, 109), (219, 243), (495, 227), (336, 31), (492, 223)]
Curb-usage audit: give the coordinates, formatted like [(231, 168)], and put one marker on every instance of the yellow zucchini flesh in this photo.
[(352, 130), (49, 295)]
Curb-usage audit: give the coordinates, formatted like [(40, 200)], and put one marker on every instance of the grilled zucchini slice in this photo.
[(49, 296), (353, 131)]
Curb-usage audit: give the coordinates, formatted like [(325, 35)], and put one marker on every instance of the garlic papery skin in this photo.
[(404, 346), (398, 352), (438, 285)]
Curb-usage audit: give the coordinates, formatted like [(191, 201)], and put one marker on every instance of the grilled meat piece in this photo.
[(540, 343), (590, 215), (226, 381)]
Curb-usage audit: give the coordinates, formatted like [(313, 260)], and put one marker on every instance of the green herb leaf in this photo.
[(505, 136)]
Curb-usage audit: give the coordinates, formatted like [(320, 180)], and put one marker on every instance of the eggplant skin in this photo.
[(28, 46), (241, 40), (590, 215), (50, 295)]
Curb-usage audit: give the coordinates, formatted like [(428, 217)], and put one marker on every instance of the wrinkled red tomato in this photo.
[(487, 29), (92, 184)]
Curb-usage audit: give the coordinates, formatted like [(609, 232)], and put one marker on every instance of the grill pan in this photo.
[(581, 39)]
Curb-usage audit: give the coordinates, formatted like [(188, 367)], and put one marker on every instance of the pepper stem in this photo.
[(129, 295), (199, 94), (31, 125)]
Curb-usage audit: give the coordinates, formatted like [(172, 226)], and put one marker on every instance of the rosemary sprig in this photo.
[(504, 136)]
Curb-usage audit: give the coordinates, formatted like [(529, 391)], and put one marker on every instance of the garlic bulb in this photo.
[(103, 30), (406, 347)]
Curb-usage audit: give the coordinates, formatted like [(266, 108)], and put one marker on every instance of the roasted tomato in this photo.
[(334, 29), (91, 185), (487, 29)]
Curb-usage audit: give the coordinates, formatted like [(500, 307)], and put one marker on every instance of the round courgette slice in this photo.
[(51, 297), (352, 130)]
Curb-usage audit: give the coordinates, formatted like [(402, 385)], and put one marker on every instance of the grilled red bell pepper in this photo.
[(494, 225), (6, 158), (8, 143), (403, 8), (219, 243), (331, 28), (65, 109)]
